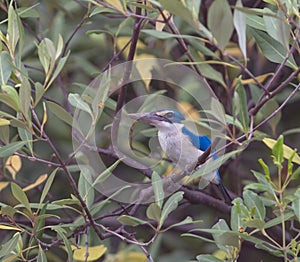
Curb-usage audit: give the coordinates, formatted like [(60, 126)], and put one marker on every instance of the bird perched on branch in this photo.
[(181, 145)]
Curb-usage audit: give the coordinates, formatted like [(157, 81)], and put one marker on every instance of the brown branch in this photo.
[(134, 40)]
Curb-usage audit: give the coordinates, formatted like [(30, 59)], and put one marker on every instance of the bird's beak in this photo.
[(146, 117)]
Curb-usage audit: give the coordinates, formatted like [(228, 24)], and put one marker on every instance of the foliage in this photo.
[(56, 60)]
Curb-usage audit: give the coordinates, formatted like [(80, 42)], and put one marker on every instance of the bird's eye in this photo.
[(169, 115)]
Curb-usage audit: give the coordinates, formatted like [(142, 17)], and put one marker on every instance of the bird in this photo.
[(180, 144)]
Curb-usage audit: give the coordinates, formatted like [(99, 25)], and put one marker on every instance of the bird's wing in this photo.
[(201, 142)]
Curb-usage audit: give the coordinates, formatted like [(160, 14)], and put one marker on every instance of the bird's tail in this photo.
[(225, 192)]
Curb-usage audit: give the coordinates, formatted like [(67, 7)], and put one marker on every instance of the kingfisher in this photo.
[(182, 146)]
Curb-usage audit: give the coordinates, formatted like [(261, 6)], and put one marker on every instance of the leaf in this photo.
[(296, 204), (58, 69), (5, 227), (179, 9), (19, 194), (272, 49), (10, 245), (62, 233), (10, 97), (131, 221), (277, 27), (158, 189), (278, 220), (239, 20), (5, 67), (287, 151), (77, 102), (25, 96), (252, 200), (60, 112), (11, 148), (117, 4), (94, 253), (13, 33), (208, 258), (46, 52), (277, 151), (39, 181), (170, 205), (13, 165), (153, 212), (4, 122), (3, 185), (219, 21), (41, 256), (243, 106), (106, 173), (26, 136)]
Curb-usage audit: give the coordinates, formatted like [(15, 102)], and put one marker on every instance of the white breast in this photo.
[(177, 146)]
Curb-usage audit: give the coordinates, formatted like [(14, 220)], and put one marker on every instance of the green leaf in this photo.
[(10, 245), (13, 33), (11, 148), (256, 22), (186, 221), (60, 112), (10, 97), (39, 92), (26, 136), (58, 69), (85, 189), (5, 67), (272, 49), (208, 258), (296, 204), (102, 90), (237, 215), (47, 186), (239, 20), (278, 220), (253, 201), (131, 221), (170, 205), (19, 194), (158, 189), (106, 173), (41, 256), (243, 106), (179, 9), (77, 102), (165, 35), (277, 27), (25, 96), (46, 52), (277, 151), (153, 212), (219, 21), (62, 233)]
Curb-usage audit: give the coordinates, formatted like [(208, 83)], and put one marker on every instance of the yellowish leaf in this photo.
[(39, 181), (117, 5), (287, 151), (188, 111), (260, 79), (158, 25), (3, 185), (94, 253), (220, 254), (5, 227), (132, 257), (4, 122), (13, 165)]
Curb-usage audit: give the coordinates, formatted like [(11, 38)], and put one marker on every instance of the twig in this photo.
[(134, 40)]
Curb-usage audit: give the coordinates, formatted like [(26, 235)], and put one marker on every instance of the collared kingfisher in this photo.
[(181, 145)]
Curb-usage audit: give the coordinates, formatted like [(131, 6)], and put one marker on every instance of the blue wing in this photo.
[(201, 142)]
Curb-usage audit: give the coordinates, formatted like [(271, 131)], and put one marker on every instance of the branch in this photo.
[(135, 36)]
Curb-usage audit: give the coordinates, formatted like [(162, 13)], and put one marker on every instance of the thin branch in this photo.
[(134, 40)]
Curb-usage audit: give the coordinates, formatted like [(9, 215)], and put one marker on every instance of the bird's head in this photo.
[(159, 118)]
